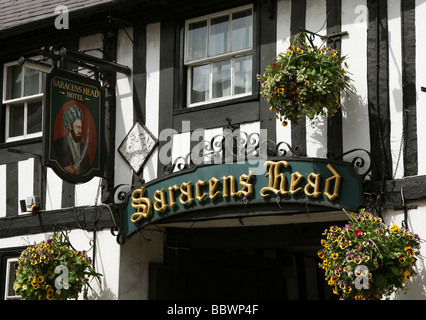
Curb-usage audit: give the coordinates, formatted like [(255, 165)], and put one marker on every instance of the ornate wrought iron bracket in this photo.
[(361, 162)]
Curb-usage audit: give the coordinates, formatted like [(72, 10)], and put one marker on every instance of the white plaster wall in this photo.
[(124, 105), (2, 191), (153, 93), (180, 147), (416, 219), (25, 180), (355, 123), (283, 41), (421, 82), (316, 129), (53, 195), (209, 134), (395, 88), (85, 193), (107, 262), (89, 193), (144, 247)]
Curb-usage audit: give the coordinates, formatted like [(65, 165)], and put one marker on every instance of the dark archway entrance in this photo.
[(262, 262)]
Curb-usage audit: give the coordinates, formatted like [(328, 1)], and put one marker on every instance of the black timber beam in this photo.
[(86, 218)]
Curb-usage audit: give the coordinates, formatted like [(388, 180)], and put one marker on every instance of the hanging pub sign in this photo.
[(73, 126), (232, 190)]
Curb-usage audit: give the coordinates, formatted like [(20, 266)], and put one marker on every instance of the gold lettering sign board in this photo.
[(320, 182)]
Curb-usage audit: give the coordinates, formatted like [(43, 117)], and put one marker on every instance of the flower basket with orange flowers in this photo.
[(305, 81), (368, 260)]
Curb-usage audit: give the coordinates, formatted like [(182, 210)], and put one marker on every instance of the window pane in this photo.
[(31, 81), (197, 40), (34, 117), (219, 35), (222, 79), (12, 266), (243, 74), (242, 30), (14, 78), (200, 83), (16, 120)]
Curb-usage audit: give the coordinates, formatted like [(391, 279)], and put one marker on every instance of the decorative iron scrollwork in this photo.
[(232, 146), (276, 149), (361, 162)]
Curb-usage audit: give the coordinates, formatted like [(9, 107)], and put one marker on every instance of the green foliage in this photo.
[(367, 249), (305, 81), (41, 264)]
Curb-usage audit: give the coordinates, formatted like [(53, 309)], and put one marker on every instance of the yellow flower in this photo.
[(409, 236), (409, 251), (394, 229), (379, 220), (347, 289), (280, 90), (407, 274), (307, 84), (40, 279), (35, 284), (334, 255), (333, 280), (401, 259)]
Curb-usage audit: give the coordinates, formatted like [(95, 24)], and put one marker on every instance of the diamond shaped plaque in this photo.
[(137, 146)]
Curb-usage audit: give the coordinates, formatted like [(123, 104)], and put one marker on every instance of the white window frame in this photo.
[(9, 262), (23, 99), (220, 57)]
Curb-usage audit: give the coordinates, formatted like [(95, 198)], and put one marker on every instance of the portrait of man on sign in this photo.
[(71, 149)]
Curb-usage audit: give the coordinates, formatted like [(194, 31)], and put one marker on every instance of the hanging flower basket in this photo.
[(52, 270), (305, 81), (368, 260)]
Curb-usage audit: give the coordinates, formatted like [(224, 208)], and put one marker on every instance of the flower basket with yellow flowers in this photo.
[(305, 81), (53, 270), (368, 260)]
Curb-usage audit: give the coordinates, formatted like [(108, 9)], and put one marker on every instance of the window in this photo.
[(22, 96), (219, 56), (9, 292)]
